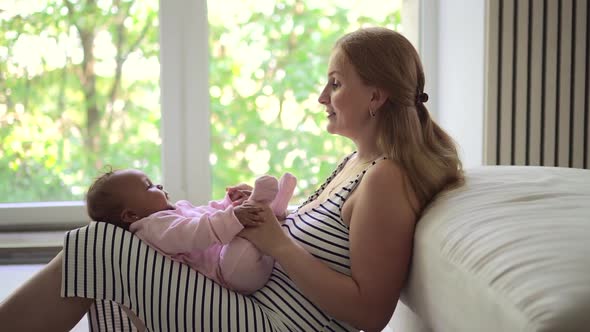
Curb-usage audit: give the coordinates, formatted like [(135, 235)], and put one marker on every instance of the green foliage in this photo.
[(62, 119)]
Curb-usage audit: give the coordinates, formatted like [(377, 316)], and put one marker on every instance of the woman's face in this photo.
[(346, 98)]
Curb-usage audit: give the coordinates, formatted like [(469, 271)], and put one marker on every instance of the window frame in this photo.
[(184, 100), (184, 97)]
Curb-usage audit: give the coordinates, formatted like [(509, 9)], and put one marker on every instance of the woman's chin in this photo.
[(331, 128)]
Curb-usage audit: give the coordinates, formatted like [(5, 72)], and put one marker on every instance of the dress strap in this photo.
[(353, 183), (327, 181), (372, 164)]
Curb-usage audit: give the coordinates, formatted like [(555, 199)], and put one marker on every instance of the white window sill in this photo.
[(30, 247), (42, 216)]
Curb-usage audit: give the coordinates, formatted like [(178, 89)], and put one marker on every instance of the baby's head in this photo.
[(122, 197)]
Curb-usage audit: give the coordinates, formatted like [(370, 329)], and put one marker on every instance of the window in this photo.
[(78, 90), (222, 114), (268, 63)]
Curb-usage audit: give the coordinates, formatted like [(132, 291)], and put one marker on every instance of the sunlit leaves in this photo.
[(46, 93), (268, 63), (282, 49)]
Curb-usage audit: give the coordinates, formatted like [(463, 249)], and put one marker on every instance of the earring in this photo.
[(371, 111)]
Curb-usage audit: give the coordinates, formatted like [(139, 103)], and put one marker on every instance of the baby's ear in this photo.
[(128, 216)]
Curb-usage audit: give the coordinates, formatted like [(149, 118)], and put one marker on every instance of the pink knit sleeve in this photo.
[(174, 233), (221, 204)]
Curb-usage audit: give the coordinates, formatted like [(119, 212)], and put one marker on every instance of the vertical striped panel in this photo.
[(551, 54), (581, 56), (507, 81), (520, 93), (537, 83), (564, 107)]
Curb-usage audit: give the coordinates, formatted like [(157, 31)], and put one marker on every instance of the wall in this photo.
[(460, 104)]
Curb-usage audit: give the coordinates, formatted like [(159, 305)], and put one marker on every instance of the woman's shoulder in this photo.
[(387, 178), (384, 172)]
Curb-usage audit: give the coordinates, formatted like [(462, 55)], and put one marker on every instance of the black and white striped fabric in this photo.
[(114, 267)]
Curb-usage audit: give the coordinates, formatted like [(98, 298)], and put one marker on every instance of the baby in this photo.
[(204, 237)]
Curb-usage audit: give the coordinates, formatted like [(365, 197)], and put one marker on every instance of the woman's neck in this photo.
[(367, 152), (366, 146)]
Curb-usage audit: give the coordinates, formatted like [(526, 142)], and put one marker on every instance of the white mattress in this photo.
[(509, 251)]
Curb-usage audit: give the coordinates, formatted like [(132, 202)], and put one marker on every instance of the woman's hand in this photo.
[(247, 215), (268, 235)]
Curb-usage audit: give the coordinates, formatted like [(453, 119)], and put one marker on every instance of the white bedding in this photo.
[(509, 251)]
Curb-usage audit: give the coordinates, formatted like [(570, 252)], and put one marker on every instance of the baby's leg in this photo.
[(243, 267), (286, 188)]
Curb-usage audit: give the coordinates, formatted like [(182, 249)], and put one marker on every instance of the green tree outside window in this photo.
[(79, 90)]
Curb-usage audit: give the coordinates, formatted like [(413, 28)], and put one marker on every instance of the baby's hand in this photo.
[(247, 215), (241, 186), (239, 196)]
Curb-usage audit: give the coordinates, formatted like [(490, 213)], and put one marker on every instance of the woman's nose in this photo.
[(324, 98)]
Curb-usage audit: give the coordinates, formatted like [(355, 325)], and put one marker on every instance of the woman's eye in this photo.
[(335, 84)]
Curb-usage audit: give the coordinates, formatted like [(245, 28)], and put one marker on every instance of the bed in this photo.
[(509, 251)]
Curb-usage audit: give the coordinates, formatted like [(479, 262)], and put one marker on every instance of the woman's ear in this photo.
[(378, 98), (128, 216)]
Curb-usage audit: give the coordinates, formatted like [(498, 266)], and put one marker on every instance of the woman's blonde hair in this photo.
[(387, 60)]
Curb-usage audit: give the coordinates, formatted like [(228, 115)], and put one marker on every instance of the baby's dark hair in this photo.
[(103, 204)]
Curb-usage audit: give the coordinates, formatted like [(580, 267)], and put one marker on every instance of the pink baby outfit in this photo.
[(204, 237)]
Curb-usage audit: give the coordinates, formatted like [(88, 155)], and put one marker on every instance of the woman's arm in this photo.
[(381, 234)]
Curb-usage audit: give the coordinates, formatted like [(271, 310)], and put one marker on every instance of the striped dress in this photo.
[(114, 267)]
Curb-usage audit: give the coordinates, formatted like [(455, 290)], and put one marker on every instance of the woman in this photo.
[(344, 255)]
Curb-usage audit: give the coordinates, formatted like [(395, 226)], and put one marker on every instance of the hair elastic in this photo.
[(422, 97)]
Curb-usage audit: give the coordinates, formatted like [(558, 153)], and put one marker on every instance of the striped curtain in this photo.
[(537, 83)]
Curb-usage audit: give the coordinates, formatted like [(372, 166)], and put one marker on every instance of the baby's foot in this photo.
[(287, 185), (265, 190)]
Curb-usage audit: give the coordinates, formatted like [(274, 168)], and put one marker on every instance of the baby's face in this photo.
[(139, 194)]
